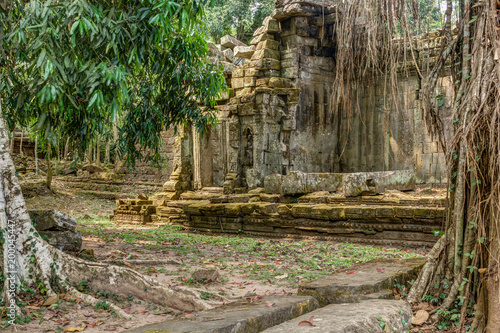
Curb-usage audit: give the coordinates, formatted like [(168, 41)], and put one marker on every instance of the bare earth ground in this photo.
[(247, 267)]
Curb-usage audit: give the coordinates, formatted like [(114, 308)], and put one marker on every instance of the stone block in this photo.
[(293, 41), (247, 109), (366, 316), (227, 67), (230, 42), (238, 72), (266, 53), (294, 183), (63, 240), (303, 211), (271, 26), (238, 316), (272, 183), (266, 208), (238, 83), (278, 82), (285, 210), (268, 44), (371, 183), (213, 51), (228, 55), (267, 63), (249, 81), (262, 82), (244, 51), (262, 37), (247, 208), (52, 220), (271, 73), (253, 72), (232, 209)]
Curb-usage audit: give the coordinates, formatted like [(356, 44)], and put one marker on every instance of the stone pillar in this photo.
[(181, 177), (197, 183)]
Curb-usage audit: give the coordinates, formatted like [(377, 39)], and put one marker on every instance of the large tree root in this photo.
[(34, 260), (421, 285)]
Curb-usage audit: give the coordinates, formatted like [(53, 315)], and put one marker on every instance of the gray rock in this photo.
[(69, 171), (367, 316), (52, 220), (205, 275), (64, 240), (93, 168), (213, 51)]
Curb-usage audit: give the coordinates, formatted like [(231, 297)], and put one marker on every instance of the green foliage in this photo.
[(72, 65), (239, 18)]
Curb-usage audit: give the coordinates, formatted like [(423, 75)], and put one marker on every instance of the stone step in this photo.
[(240, 316), (366, 316), (372, 279)]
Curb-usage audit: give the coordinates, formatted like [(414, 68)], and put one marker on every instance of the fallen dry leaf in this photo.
[(189, 315), (380, 270), (310, 322), (420, 317), (51, 300), (269, 304), (112, 328), (482, 270), (75, 329)]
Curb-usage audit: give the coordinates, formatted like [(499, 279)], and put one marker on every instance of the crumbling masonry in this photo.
[(279, 137)]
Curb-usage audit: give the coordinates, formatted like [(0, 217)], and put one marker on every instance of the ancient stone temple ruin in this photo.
[(283, 161)]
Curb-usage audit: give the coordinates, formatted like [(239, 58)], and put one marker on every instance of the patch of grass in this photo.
[(281, 262)]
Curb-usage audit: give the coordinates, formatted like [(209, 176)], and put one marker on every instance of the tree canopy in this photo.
[(73, 65), (239, 18)]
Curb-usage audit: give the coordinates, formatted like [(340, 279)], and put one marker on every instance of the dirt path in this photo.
[(246, 267)]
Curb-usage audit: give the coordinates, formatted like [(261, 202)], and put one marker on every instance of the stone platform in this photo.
[(387, 219)]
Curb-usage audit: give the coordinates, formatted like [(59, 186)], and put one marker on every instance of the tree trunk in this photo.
[(98, 152), (49, 165), (107, 154), (28, 257), (37, 170), (66, 149), (115, 140), (21, 143)]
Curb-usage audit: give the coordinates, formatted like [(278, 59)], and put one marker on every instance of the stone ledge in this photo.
[(238, 317), (367, 316), (367, 279)]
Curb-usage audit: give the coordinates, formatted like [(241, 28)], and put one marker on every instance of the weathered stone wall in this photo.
[(278, 115)]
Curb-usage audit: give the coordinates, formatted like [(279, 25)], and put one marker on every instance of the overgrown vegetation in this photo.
[(383, 37), (238, 18)]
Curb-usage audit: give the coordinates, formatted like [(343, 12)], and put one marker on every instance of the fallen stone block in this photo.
[(230, 42), (52, 220), (63, 240), (367, 316), (241, 316), (244, 51), (372, 183), (229, 55)]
